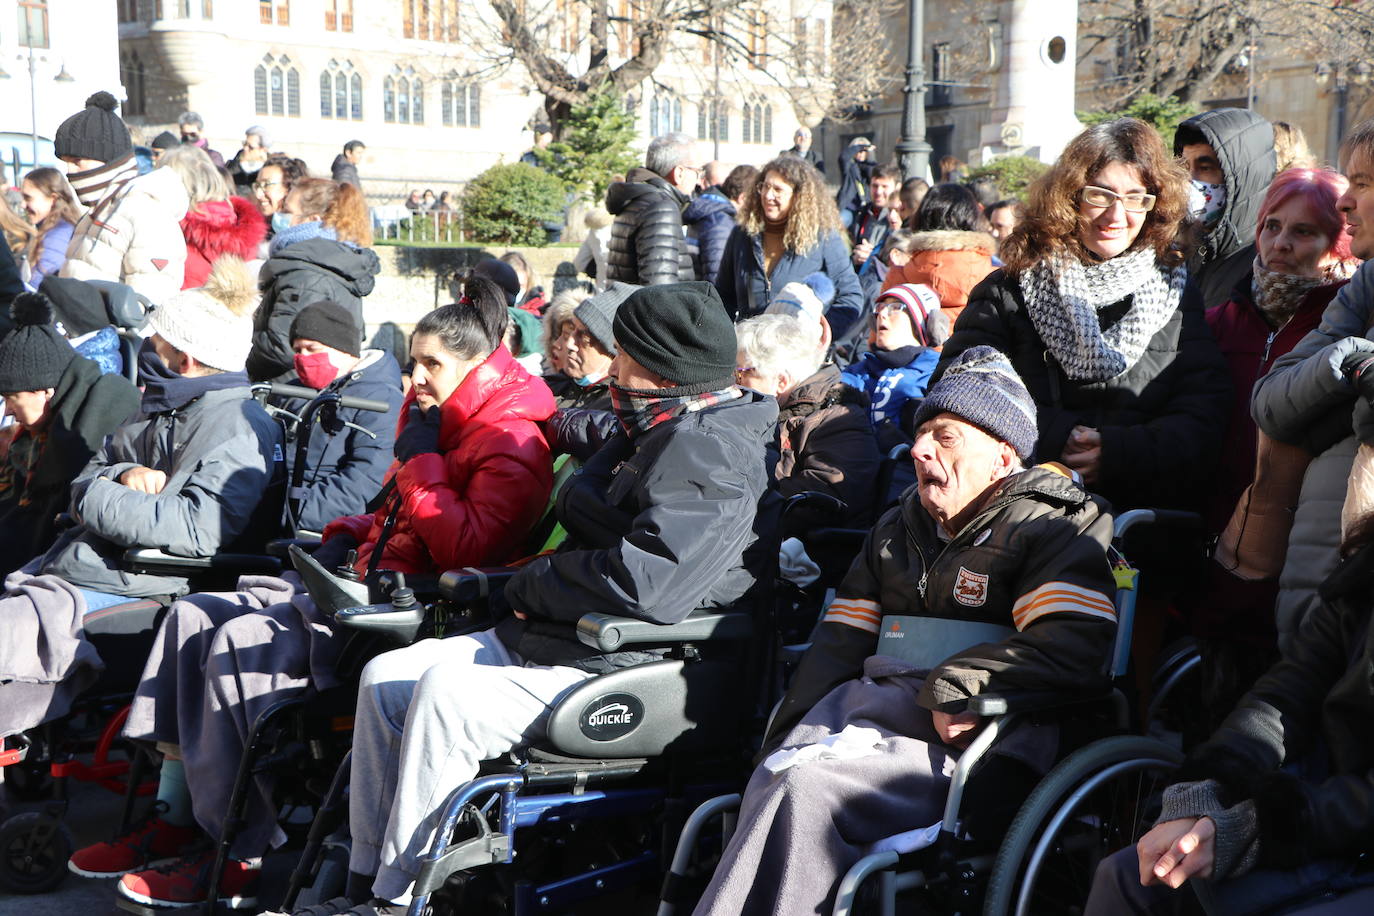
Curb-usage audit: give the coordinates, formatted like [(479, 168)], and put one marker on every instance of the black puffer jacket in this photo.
[(825, 443), (1312, 712), (1162, 421), (647, 241), (86, 407), (658, 526), (301, 274), (1244, 144)]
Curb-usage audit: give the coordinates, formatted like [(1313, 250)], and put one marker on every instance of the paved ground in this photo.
[(92, 812)]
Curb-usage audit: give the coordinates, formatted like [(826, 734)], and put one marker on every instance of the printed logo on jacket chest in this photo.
[(971, 588)]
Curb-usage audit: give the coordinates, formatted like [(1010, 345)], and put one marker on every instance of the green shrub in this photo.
[(509, 204), (1164, 113), (1011, 173)]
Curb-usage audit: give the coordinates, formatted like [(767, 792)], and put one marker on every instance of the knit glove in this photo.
[(420, 435)]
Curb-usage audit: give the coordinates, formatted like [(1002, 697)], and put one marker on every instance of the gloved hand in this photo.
[(420, 435), (1358, 364)]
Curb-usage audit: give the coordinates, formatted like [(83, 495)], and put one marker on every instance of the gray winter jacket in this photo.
[(1306, 400), (221, 453)]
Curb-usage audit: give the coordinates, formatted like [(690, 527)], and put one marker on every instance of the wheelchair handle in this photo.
[(277, 389), (1129, 519)]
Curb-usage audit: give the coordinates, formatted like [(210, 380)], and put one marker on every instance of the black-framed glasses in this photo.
[(1135, 201)]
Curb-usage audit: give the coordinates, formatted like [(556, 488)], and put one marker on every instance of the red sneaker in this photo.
[(187, 882), (148, 844)]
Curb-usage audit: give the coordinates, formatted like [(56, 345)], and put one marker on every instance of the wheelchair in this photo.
[(35, 845), (1098, 799), (636, 748)]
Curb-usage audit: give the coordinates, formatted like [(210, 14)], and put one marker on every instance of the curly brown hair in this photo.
[(812, 214), (339, 205), (1052, 218)]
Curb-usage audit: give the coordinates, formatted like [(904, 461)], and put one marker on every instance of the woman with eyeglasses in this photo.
[(788, 229), (274, 181), (1096, 312)]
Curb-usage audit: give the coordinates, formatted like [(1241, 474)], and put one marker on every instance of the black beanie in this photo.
[(331, 324), (94, 133), (33, 356), (502, 274), (165, 140), (680, 331)]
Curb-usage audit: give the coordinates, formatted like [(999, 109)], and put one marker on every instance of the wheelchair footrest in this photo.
[(488, 848)]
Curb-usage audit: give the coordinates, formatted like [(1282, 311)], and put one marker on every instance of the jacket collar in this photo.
[(1044, 482)]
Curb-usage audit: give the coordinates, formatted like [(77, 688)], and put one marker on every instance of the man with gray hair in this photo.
[(647, 242), (192, 128)]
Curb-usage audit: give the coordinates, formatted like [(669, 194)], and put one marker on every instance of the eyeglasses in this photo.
[(1135, 202), (889, 305), (264, 185)]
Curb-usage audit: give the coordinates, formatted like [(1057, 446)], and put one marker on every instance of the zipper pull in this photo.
[(921, 586), (1267, 344)]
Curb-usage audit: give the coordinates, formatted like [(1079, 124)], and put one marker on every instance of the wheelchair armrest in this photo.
[(401, 625), (280, 546), (154, 560), (608, 633), (1023, 701), (473, 583)]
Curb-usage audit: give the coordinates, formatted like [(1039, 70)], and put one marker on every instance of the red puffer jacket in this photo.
[(217, 228), (474, 504)]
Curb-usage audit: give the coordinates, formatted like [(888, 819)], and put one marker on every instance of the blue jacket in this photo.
[(345, 470), (709, 220), (890, 389), (746, 291)]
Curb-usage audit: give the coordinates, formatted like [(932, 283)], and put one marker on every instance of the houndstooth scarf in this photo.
[(1064, 295)]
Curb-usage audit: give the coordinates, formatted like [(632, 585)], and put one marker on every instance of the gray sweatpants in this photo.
[(427, 716)]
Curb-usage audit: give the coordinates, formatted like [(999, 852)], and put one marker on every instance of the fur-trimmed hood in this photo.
[(953, 240), (225, 227)]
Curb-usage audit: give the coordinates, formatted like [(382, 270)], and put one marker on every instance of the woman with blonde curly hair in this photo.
[(788, 229), (1096, 312), (323, 254)]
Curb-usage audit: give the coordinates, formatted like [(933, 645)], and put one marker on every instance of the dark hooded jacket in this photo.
[(345, 470), (86, 407), (1309, 715), (658, 526), (709, 219), (825, 443), (1244, 144), (301, 274), (647, 242)]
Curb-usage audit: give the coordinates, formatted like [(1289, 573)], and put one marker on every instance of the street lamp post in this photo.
[(913, 152), (1340, 75)]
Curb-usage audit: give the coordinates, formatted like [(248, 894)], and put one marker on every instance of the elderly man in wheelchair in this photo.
[(660, 524), (987, 577)]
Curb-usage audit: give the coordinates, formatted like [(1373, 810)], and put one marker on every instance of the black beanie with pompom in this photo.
[(96, 132), (34, 355)]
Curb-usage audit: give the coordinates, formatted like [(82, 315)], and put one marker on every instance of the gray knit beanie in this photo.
[(981, 387), (95, 132), (598, 312)]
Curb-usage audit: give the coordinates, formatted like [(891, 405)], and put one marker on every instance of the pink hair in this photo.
[(1320, 189)]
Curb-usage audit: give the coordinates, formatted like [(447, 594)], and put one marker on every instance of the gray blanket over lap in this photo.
[(45, 660), (800, 830), (218, 661)]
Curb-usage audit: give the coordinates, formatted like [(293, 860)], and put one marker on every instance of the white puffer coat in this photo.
[(134, 237)]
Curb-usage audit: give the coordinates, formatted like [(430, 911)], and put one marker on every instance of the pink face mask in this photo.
[(315, 369)]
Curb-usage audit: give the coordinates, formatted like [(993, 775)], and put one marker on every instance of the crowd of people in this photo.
[(1184, 328)]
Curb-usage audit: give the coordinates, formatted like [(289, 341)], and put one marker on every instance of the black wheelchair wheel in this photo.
[(1098, 800), (34, 849)]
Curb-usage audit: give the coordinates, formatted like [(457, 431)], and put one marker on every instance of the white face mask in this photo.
[(1206, 200)]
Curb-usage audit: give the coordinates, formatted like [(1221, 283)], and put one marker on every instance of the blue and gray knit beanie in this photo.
[(981, 387)]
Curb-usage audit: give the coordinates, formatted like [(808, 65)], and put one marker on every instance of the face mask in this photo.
[(1206, 200), (280, 221), (315, 369)]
